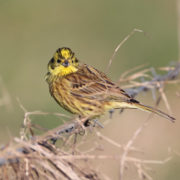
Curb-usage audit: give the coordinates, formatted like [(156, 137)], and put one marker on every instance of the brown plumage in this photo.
[(85, 91)]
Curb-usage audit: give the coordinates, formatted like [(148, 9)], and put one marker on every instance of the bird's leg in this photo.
[(111, 111), (98, 123), (121, 110)]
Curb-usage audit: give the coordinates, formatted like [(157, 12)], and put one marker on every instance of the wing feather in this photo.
[(90, 83)]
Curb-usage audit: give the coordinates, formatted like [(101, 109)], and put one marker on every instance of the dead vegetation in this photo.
[(55, 154)]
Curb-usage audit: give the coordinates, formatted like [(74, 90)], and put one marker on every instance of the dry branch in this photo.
[(120, 44), (37, 157)]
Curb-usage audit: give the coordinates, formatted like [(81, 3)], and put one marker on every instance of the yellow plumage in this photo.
[(83, 90)]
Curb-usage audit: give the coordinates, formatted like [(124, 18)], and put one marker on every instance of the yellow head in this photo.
[(63, 62)]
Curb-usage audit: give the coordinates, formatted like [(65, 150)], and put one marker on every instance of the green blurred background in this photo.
[(31, 31)]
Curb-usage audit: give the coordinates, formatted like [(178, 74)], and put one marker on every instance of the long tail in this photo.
[(153, 110)]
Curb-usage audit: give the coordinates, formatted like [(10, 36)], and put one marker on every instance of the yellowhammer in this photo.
[(83, 90)]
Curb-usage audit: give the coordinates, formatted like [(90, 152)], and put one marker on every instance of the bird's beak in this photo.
[(65, 63)]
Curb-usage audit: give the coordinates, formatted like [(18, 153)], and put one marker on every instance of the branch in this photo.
[(37, 156)]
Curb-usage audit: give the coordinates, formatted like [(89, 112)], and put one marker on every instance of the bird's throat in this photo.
[(63, 71)]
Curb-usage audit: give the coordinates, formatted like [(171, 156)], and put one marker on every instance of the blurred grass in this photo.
[(32, 30)]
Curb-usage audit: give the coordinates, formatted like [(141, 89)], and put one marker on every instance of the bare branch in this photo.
[(38, 157), (120, 44)]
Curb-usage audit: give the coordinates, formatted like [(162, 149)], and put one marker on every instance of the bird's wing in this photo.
[(90, 83)]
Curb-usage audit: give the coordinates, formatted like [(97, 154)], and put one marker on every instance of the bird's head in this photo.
[(63, 62)]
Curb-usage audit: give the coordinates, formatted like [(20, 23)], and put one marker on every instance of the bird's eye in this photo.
[(58, 61), (76, 60), (52, 60)]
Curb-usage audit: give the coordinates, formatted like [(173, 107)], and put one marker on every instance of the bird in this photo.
[(85, 91)]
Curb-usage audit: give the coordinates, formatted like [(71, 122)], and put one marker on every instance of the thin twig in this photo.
[(120, 44), (128, 145)]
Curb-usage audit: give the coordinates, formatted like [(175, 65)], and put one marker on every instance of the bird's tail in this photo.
[(153, 110)]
